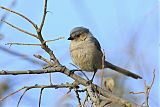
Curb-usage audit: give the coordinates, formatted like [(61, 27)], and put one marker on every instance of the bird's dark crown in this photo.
[(77, 31)]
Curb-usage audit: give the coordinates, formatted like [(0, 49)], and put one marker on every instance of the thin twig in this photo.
[(80, 80), (40, 97), (146, 94), (67, 85), (19, 14), (78, 98), (42, 58), (83, 90), (40, 37), (22, 96), (12, 94), (74, 66), (23, 44), (92, 94), (102, 73), (29, 71), (147, 89), (44, 15), (50, 78), (85, 75), (136, 92), (19, 29), (152, 82), (50, 64), (47, 66), (4, 16), (80, 71), (29, 44), (86, 98), (54, 39), (22, 56)]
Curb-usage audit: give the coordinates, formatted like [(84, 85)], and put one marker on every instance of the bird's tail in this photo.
[(121, 70)]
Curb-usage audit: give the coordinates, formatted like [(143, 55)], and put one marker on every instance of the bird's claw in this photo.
[(89, 82)]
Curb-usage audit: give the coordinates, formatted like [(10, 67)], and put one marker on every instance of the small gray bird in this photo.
[(86, 53)]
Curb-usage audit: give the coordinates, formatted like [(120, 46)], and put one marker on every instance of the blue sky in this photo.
[(116, 24)]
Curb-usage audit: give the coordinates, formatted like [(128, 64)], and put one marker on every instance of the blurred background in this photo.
[(127, 30)]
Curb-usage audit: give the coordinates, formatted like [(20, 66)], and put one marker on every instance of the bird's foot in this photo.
[(89, 82), (72, 71)]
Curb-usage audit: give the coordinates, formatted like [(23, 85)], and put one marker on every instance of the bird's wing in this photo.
[(97, 44)]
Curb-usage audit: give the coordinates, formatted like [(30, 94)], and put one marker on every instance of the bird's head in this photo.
[(79, 34)]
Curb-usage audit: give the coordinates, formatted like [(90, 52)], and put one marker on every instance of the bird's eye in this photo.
[(78, 35)]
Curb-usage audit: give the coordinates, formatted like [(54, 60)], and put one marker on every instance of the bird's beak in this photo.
[(70, 38)]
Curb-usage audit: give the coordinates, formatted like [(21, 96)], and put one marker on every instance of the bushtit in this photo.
[(86, 53)]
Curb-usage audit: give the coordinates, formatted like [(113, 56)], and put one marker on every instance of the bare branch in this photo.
[(28, 72), (136, 92), (152, 82), (79, 70), (67, 85), (78, 98), (102, 73), (42, 58), (44, 15), (146, 94), (23, 56), (12, 94), (80, 80), (49, 65), (4, 16), (93, 95), (86, 98), (50, 79), (47, 49), (54, 39), (22, 96), (40, 37), (23, 44), (147, 89), (19, 14), (29, 44), (40, 97), (21, 30)]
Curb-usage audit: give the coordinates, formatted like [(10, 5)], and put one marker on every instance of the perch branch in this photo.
[(80, 80)]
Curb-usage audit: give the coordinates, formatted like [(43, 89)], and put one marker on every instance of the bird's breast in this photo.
[(86, 56)]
